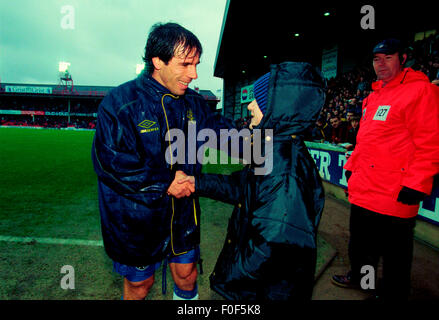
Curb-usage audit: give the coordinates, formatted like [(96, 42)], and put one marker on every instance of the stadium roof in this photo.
[(208, 95), (256, 34)]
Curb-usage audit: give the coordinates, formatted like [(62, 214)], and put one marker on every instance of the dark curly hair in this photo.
[(164, 39)]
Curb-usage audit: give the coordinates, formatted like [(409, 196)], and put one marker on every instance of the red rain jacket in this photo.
[(397, 144)]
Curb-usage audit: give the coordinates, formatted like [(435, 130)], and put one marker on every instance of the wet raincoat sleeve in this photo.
[(117, 159), (422, 122), (225, 188)]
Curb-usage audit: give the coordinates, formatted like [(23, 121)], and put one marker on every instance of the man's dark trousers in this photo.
[(374, 235)]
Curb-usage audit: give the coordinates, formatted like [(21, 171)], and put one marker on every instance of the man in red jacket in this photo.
[(390, 172)]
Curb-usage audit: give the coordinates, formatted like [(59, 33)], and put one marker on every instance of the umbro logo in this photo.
[(146, 124)]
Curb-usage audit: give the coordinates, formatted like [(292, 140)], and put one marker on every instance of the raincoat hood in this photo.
[(296, 94)]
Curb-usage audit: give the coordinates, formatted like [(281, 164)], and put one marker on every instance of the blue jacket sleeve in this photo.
[(117, 159)]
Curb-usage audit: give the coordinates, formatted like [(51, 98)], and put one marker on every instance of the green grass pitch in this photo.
[(48, 189)]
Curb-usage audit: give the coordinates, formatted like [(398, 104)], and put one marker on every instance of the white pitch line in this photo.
[(97, 243)]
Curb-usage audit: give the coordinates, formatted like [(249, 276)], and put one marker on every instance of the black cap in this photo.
[(388, 46)]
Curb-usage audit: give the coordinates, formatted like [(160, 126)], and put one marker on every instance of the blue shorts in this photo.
[(140, 273)]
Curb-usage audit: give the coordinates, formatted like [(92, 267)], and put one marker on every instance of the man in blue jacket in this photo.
[(141, 223)]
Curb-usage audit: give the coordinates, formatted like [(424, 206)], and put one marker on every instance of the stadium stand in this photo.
[(347, 91), (55, 106), (51, 106)]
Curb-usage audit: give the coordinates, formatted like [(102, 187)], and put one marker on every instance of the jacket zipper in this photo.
[(172, 199)]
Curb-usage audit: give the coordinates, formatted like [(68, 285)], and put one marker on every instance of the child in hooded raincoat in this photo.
[(270, 247)]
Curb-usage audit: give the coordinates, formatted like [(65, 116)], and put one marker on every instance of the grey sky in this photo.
[(106, 43)]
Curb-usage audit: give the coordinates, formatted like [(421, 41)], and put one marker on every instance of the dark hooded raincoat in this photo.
[(270, 247)]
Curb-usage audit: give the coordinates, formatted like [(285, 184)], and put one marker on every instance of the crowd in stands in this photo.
[(47, 121), (338, 122), (50, 106)]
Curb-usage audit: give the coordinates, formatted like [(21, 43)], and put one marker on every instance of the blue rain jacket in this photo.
[(140, 223)]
